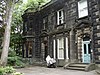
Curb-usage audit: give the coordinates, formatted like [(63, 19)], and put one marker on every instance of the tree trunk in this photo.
[(4, 55)]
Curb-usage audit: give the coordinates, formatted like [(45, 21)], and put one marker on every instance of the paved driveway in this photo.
[(37, 70)]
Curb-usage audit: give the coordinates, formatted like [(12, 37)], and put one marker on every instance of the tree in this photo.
[(6, 41), (16, 28), (16, 24), (34, 5)]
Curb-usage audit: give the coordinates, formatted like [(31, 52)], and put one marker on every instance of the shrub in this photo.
[(14, 60), (11, 61), (2, 71), (17, 73), (9, 71)]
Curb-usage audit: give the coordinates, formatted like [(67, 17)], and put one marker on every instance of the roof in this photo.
[(48, 4), (44, 6)]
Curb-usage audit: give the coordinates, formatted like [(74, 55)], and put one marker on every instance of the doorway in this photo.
[(46, 52), (86, 50), (45, 45)]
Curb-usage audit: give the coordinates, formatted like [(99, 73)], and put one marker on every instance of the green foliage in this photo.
[(20, 63), (12, 57), (17, 29), (9, 70), (6, 70), (11, 61), (34, 5), (2, 70), (14, 60), (17, 73), (17, 23), (12, 53)]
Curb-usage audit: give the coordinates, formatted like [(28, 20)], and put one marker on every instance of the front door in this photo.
[(86, 51)]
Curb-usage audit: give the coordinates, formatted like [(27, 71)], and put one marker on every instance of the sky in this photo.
[(24, 1)]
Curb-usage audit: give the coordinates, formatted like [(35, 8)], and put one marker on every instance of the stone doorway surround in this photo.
[(80, 34)]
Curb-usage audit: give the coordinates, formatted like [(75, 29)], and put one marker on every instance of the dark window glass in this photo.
[(89, 48), (60, 14), (84, 48), (60, 21)]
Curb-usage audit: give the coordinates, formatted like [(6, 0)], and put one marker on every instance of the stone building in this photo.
[(67, 30)]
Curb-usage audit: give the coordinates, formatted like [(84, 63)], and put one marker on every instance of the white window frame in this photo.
[(60, 49), (67, 48), (82, 8), (60, 18)]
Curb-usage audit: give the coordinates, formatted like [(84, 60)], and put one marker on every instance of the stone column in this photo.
[(33, 50), (42, 51), (72, 46)]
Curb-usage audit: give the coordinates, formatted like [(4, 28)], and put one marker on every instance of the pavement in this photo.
[(38, 70)]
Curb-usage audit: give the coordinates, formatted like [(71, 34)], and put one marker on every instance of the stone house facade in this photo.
[(67, 30)]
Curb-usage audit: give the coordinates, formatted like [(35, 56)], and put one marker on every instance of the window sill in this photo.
[(82, 17), (60, 25)]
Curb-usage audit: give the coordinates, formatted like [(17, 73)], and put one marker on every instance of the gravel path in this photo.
[(37, 70)]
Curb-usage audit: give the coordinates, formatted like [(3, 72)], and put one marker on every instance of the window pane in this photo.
[(60, 17), (60, 48), (82, 8), (84, 48), (59, 13), (61, 53), (89, 48), (59, 21), (29, 48), (82, 4)]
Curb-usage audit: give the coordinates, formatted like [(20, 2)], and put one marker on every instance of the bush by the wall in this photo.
[(9, 71), (2, 71), (14, 60)]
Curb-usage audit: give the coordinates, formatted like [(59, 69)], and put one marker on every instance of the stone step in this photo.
[(80, 66), (98, 71), (75, 68)]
